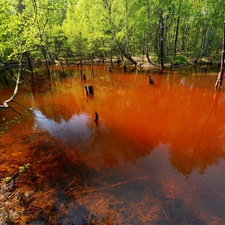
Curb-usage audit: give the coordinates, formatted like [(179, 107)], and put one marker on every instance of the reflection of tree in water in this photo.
[(71, 186), (53, 109), (44, 88), (111, 142), (114, 145), (115, 142), (186, 162), (100, 182), (207, 150)]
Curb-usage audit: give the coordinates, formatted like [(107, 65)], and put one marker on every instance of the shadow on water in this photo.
[(156, 155)]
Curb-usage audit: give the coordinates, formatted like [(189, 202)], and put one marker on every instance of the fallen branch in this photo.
[(5, 104), (109, 186)]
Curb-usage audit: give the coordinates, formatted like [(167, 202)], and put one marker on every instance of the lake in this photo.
[(156, 154)]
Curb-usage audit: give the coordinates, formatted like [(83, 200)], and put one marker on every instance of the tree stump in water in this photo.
[(86, 89), (96, 117), (150, 80), (91, 89)]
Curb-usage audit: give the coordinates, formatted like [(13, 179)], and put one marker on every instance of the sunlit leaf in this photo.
[(6, 179)]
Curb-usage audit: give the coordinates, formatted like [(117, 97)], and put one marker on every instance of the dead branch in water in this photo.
[(109, 186)]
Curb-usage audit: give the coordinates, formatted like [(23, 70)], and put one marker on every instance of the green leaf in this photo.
[(6, 179)]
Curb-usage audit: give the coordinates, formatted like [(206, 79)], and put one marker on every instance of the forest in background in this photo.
[(161, 32), (158, 31)]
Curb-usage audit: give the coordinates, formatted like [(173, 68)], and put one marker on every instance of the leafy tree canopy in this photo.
[(98, 28)]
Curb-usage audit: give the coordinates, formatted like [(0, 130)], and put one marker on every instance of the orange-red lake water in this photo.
[(155, 156)]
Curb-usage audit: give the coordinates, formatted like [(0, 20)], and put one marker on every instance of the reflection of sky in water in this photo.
[(75, 130)]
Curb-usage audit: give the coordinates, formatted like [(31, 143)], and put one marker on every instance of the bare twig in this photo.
[(16, 111), (110, 186)]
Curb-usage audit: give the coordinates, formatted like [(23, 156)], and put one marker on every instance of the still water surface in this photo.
[(155, 156)]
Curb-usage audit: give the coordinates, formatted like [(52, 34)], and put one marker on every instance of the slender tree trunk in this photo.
[(111, 61), (221, 74), (201, 51), (4, 73), (92, 68), (126, 28), (203, 42), (176, 40), (148, 34), (161, 28), (30, 67), (176, 35), (81, 68), (184, 32), (123, 52), (46, 60)]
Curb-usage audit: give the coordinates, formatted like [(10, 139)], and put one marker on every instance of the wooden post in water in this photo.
[(150, 80), (86, 89), (221, 73), (96, 117), (91, 89)]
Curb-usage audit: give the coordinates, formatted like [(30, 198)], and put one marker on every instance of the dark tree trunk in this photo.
[(46, 60), (4, 73), (81, 68), (30, 67), (176, 36), (123, 51), (92, 68), (111, 61)]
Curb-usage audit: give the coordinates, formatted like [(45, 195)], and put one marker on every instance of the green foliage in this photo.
[(6, 179), (5, 125), (22, 169), (87, 28), (180, 60)]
